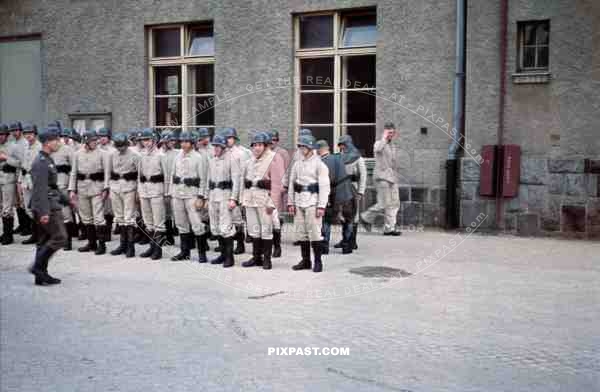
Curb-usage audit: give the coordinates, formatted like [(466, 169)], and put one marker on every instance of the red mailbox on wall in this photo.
[(487, 179), (511, 170)]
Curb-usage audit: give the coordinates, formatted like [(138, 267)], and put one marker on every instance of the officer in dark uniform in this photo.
[(46, 204)]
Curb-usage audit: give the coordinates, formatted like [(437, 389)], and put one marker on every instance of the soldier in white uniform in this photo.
[(280, 162), (307, 198), (240, 157), (24, 182), (63, 159), (152, 189), (168, 142), (187, 189), (105, 144), (89, 185), (223, 184), (124, 164), (9, 165), (386, 183), (20, 144), (205, 149)]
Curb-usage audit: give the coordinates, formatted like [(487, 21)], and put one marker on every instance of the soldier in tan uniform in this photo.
[(168, 141), (187, 189), (63, 159), (105, 144), (279, 162), (152, 189), (205, 149), (20, 144), (357, 170), (307, 198), (223, 185), (9, 165), (386, 184), (124, 163), (24, 182), (240, 157), (89, 185), (257, 196)]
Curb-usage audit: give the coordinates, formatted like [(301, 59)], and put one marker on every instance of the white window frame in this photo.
[(521, 40), (183, 61), (337, 52)]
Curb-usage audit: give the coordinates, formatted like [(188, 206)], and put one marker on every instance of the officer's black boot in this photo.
[(354, 233), (239, 236), (201, 244), (276, 243), (71, 231), (257, 253), (102, 235), (221, 258), (91, 238), (159, 240), (122, 244), (82, 231), (130, 231), (205, 242), (148, 252), (117, 230), (109, 222), (305, 251), (48, 279), (40, 267), (24, 227), (184, 244), (317, 249), (267, 252), (169, 235), (228, 245), (7, 231), (346, 239), (34, 235)]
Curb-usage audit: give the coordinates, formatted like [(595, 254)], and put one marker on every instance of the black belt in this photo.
[(312, 188), (220, 185), (342, 180), (24, 172), (187, 181), (129, 176), (154, 179), (354, 177), (9, 169), (63, 169), (99, 176), (261, 184), (53, 186)]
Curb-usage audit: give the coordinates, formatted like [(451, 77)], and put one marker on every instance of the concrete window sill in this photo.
[(531, 78)]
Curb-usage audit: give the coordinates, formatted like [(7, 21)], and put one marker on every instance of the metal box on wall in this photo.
[(487, 179), (511, 170)]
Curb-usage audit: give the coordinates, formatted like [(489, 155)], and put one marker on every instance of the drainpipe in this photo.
[(458, 116), (500, 133)]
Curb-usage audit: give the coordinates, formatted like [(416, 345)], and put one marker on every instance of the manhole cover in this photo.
[(380, 272)]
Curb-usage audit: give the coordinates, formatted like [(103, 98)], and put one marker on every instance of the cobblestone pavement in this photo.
[(478, 313)]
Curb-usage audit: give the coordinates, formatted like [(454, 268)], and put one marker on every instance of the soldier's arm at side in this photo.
[(235, 178), (277, 171), (164, 167), (73, 175), (106, 168), (324, 186), (362, 172), (291, 193), (201, 173)]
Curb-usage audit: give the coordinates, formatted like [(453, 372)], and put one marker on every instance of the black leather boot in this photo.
[(33, 239), (169, 239), (257, 253), (221, 258), (317, 249), (305, 262), (201, 244), (228, 245), (117, 230), (122, 244), (148, 252), (184, 245), (159, 240), (109, 223), (267, 252), (325, 247), (25, 221), (354, 233), (276, 243), (71, 232), (82, 231), (239, 237), (7, 231), (101, 234), (40, 267), (130, 231), (91, 238)]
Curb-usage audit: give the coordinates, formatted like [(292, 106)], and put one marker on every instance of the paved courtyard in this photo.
[(437, 312)]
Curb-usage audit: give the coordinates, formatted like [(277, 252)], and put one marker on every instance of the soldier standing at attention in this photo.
[(280, 161), (9, 165), (258, 191), (20, 145), (240, 156), (24, 183), (89, 185), (124, 163), (386, 184), (152, 189), (307, 199), (104, 143), (187, 186), (46, 204), (167, 143), (357, 170), (63, 159), (223, 177)]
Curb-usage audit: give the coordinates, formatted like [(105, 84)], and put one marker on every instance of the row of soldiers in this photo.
[(208, 188)]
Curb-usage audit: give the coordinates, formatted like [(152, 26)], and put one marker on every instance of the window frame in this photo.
[(184, 61), (521, 26), (337, 52)]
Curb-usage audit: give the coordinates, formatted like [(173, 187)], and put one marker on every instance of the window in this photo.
[(81, 122), (533, 45), (335, 66), (182, 91)]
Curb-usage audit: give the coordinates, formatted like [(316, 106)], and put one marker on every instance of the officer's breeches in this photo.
[(260, 224), (124, 207), (91, 210), (186, 215), (306, 224), (53, 234), (153, 213), (220, 219)]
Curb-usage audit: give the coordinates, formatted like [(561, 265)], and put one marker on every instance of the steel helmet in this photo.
[(345, 140), (29, 128), (219, 140), (120, 139), (306, 141), (4, 129), (89, 135), (187, 136), (259, 137), (203, 133), (146, 133), (48, 134), (229, 132), (103, 132), (304, 132)]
